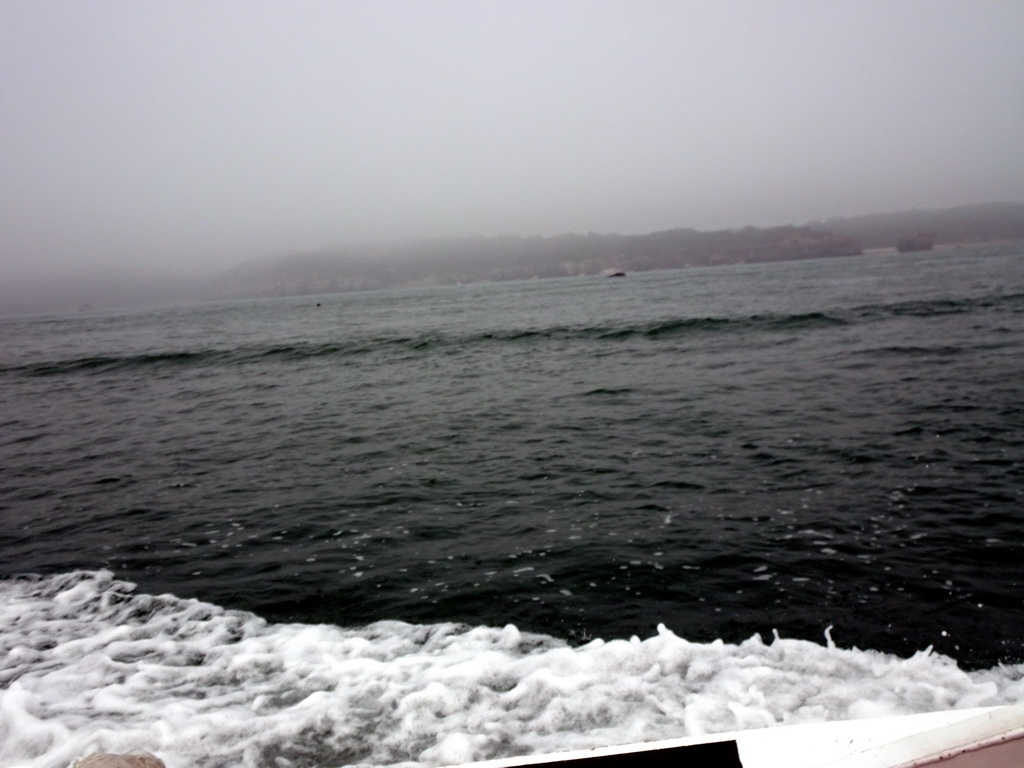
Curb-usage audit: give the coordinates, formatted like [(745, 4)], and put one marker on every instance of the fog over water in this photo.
[(193, 136)]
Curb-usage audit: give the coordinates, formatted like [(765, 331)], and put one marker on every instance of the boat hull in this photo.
[(976, 738)]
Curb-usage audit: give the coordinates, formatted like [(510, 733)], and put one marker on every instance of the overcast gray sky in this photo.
[(185, 134)]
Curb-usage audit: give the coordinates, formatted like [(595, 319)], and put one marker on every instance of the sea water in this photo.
[(428, 526)]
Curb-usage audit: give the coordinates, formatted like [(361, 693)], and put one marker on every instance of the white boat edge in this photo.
[(990, 737), (993, 738)]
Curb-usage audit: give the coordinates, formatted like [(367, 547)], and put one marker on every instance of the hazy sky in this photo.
[(185, 134)]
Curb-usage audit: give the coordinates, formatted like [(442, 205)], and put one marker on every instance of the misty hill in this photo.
[(451, 261), (991, 222)]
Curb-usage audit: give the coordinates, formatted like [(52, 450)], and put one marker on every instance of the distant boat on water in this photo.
[(922, 241), (613, 273)]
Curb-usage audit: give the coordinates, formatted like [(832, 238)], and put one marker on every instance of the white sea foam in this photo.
[(90, 665)]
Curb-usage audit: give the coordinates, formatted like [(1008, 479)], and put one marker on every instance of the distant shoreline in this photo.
[(493, 259)]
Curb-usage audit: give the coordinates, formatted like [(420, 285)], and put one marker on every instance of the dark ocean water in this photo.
[(725, 451)]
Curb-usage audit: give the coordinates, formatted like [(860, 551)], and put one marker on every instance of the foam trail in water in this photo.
[(90, 665)]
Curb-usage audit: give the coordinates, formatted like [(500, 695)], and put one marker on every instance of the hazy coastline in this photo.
[(449, 261)]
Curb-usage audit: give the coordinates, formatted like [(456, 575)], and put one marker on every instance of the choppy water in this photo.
[(724, 451)]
